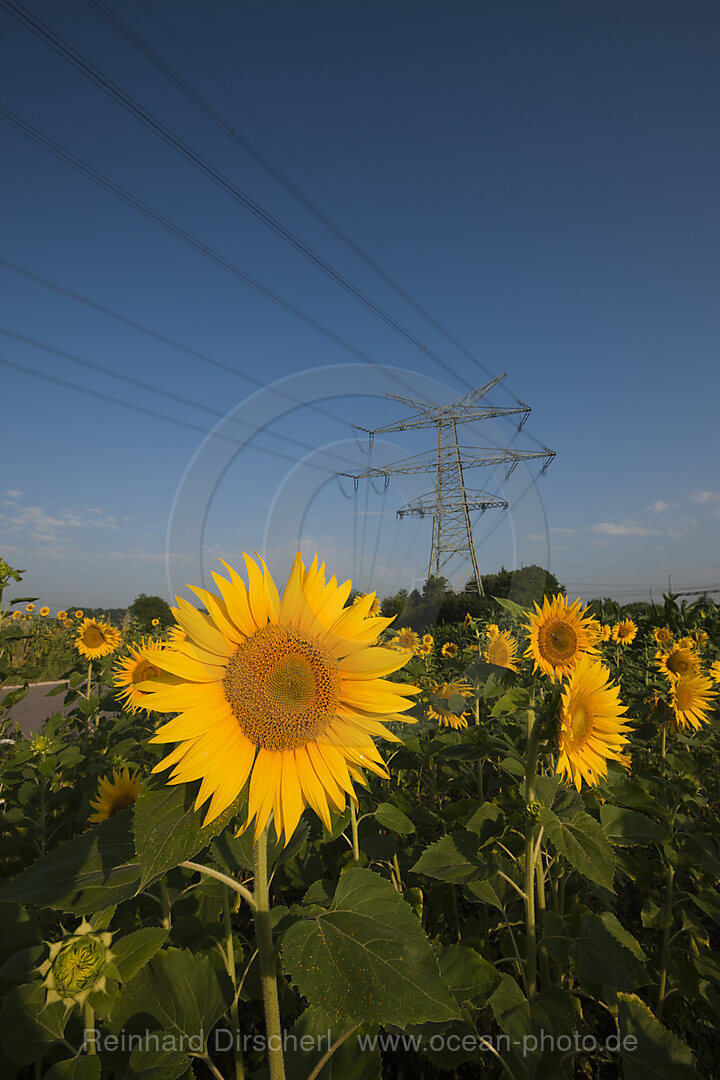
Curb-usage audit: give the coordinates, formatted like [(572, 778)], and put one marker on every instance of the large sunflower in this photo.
[(677, 661), (439, 709), (502, 651), (96, 638), (691, 699), (624, 632), (592, 726), (559, 634), (117, 794), (133, 669), (288, 691)]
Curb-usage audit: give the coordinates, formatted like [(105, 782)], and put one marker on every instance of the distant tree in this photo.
[(394, 604), (146, 608)]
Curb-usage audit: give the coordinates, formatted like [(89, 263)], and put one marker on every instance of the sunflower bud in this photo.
[(77, 965), (533, 808)]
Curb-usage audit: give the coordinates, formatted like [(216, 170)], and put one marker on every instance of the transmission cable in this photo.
[(63, 49), (232, 133)]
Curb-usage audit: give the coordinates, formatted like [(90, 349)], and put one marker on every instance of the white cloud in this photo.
[(659, 506), (47, 528), (563, 532), (608, 528), (13, 494), (705, 496)]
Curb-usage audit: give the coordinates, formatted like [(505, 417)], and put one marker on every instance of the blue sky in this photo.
[(541, 179)]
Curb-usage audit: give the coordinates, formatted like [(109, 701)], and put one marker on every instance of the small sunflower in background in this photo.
[(439, 708), (44, 611), (450, 649), (96, 639), (677, 661), (492, 629), (287, 692), (702, 638), (606, 632), (714, 671), (68, 624), (406, 638), (691, 699), (559, 635), (593, 728), (30, 608), (502, 651), (624, 632), (374, 607), (428, 641), (17, 614), (468, 619), (687, 642), (61, 616), (79, 614), (155, 622), (133, 669), (663, 635), (115, 795)]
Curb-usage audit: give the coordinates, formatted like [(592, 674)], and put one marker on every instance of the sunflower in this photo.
[(702, 638), (559, 634), (79, 614), (440, 710), (407, 639), (96, 639), (44, 611), (375, 607), (61, 616), (17, 614), (30, 608), (592, 727), (286, 691), (714, 671), (492, 629), (449, 649), (68, 623), (691, 698), (155, 622), (428, 641), (686, 642), (116, 794), (605, 633), (424, 651), (130, 670), (662, 635), (624, 632), (676, 661), (468, 619), (502, 651)]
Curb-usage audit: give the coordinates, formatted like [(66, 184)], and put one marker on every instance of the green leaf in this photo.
[(627, 827), (83, 1067), (27, 1025), (168, 829), (134, 950), (649, 1051), (510, 605), (89, 872), (367, 957), (468, 974), (183, 993), (487, 822), (709, 902), (583, 843), (348, 1062), (451, 858), (605, 954), (390, 817), (156, 1064)]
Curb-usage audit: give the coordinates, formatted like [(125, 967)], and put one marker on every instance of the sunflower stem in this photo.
[(354, 827), (268, 964), (665, 948), (90, 1028), (232, 972), (534, 730)]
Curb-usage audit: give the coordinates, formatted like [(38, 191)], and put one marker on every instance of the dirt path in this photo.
[(35, 708)]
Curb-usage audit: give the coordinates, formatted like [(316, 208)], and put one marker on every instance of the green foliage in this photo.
[(146, 608)]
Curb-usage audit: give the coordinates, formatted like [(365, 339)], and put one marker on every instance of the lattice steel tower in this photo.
[(452, 502)]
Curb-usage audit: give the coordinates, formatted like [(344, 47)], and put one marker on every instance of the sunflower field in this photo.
[(291, 838)]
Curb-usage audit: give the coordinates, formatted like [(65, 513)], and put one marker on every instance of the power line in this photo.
[(124, 196), (86, 68), (232, 133), (130, 380)]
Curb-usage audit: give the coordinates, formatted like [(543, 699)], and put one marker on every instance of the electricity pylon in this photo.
[(452, 502)]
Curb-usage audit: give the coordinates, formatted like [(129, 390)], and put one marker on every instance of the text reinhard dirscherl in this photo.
[(222, 1040)]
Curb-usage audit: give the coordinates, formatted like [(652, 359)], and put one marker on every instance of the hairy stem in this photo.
[(268, 965)]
